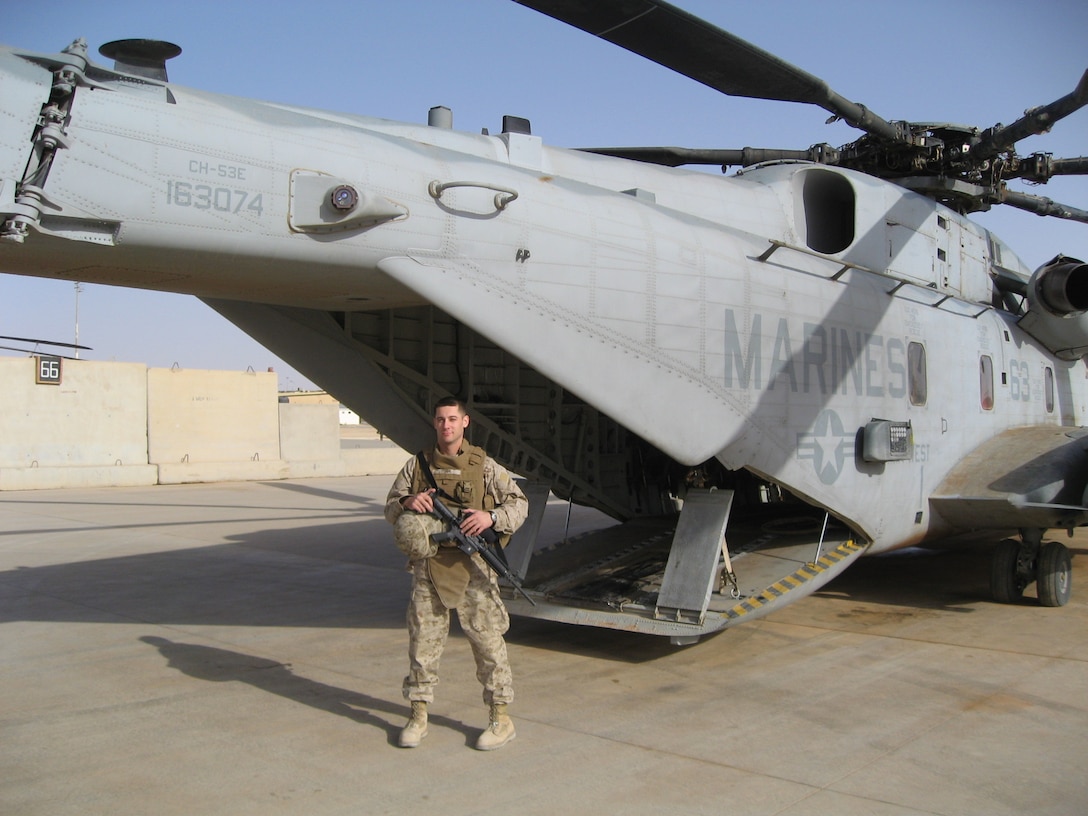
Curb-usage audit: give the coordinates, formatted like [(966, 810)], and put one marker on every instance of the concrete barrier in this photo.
[(121, 424), (213, 426), (86, 428)]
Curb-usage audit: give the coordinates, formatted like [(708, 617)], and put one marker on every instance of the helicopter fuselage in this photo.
[(833, 334)]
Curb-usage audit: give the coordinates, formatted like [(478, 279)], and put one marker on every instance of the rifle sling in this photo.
[(426, 467)]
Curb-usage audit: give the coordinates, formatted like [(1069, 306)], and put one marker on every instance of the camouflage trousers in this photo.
[(483, 619)]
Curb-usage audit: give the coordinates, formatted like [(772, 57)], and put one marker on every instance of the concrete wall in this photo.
[(113, 424), (214, 425), (303, 431)]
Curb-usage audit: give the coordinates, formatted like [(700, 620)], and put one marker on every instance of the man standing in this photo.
[(445, 578)]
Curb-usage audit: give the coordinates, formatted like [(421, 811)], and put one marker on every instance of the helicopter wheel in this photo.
[(1006, 582), (1054, 574)]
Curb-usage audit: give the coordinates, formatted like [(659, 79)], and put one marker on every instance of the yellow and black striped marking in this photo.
[(797, 579)]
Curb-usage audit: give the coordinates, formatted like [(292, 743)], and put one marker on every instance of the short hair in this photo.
[(451, 402)]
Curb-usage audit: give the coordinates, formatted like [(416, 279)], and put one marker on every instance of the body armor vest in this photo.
[(462, 477)]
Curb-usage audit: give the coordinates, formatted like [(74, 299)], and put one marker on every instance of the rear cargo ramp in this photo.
[(670, 576)]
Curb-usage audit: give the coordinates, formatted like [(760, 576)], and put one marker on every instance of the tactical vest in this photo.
[(462, 477)]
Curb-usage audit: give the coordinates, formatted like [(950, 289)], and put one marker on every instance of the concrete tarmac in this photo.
[(239, 649)]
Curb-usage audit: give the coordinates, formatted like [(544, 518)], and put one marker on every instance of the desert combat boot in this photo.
[(500, 730), (416, 728)]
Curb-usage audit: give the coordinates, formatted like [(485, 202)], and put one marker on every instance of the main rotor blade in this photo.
[(1041, 167), (678, 156), (1034, 121), (45, 342), (1042, 206), (1071, 167), (693, 47)]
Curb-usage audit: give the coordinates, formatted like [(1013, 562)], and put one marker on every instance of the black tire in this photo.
[(1054, 574), (1005, 584)]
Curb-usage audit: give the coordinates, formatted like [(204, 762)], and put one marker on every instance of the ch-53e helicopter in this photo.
[(738, 368)]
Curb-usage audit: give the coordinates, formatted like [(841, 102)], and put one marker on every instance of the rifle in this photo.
[(473, 544)]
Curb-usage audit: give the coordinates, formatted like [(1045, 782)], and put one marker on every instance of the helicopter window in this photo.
[(916, 371), (829, 212), (986, 382), (1049, 381)]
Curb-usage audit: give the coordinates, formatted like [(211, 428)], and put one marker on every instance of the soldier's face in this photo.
[(450, 424)]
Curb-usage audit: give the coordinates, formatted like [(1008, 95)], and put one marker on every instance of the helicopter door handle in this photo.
[(503, 195)]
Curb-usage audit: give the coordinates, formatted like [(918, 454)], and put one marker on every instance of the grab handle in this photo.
[(503, 195)]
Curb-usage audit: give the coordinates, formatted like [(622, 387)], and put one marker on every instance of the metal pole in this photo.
[(79, 288), (820, 545)]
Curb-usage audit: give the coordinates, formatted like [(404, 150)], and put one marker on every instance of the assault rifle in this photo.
[(474, 544)]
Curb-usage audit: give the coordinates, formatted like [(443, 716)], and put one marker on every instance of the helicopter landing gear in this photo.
[(1054, 574), (1009, 572), (1016, 563)]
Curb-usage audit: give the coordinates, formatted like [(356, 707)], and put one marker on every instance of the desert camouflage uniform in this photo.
[(480, 610)]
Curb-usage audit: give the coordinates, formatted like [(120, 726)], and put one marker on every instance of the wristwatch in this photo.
[(494, 518)]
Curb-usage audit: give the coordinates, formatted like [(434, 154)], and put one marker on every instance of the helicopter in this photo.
[(761, 375)]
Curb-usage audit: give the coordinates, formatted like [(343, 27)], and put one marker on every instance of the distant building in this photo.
[(347, 416), (308, 398)]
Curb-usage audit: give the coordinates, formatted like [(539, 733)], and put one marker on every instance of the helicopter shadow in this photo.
[(338, 574), (953, 575), (849, 313)]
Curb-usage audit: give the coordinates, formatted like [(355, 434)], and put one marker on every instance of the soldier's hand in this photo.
[(475, 522), (419, 502)]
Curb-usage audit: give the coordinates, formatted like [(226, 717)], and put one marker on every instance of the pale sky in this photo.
[(975, 62)]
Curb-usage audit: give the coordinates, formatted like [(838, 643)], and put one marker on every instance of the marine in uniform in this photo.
[(445, 578)]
